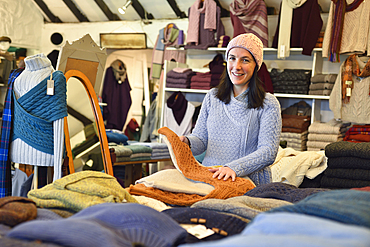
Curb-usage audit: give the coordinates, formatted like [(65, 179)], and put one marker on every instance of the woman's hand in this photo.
[(223, 172), (184, 139)]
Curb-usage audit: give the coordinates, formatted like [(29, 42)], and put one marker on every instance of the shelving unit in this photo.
[(319, 103)]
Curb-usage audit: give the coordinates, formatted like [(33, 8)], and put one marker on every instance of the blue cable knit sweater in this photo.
[(246, 140)]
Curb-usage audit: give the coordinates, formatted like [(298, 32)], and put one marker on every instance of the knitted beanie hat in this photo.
[(251, 43)]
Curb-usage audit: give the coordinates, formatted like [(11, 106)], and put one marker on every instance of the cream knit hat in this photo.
[(251, 43)]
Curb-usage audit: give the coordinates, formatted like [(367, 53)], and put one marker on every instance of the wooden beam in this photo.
[(176, 9), (141, 11), (108, 13), (79, 15), (48, 13), (224, 12)]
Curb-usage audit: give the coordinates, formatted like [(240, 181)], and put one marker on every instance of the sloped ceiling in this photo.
[(67, 11), (64, 11)]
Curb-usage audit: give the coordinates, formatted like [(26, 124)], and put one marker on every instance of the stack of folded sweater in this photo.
[(179, 78), (159, 150), (322, 134), (348, 165), (322, 84), (201, 80), (125, 153), (358, 133), (296, 119), (290, 81), (216, 67)]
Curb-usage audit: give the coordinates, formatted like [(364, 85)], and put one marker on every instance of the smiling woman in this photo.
[(239, 125)]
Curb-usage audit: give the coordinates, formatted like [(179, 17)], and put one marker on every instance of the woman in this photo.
[(239, 125)]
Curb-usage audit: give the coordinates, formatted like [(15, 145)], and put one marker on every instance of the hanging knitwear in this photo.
[(253, 17), (351, 67), (35, 112), (341, 7)]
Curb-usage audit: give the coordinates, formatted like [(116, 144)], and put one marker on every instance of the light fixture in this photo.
[(124, 7)]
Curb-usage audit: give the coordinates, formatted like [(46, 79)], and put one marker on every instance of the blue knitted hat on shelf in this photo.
[(106, 224)]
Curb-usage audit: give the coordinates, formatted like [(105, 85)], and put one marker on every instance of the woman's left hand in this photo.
[(223, 172)]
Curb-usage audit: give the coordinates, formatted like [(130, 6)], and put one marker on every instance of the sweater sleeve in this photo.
[(268, 141), (199, 137)]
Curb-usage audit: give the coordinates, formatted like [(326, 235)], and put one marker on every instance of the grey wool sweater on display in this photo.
[(233, 135)]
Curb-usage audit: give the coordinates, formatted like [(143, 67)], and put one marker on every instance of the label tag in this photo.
[(50, 87), (348, 91), (199, 231)]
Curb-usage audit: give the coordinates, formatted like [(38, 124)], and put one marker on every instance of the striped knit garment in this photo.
[(253, 16)]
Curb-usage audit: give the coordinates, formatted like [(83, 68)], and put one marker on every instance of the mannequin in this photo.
[(30, 88)]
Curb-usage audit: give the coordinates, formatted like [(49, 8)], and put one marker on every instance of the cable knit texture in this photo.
[(233, 135), (38, 67), (35, 111), (355, 34), (186, 163), (358, 109)]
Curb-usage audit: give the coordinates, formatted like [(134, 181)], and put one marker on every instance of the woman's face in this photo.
[(240, 66)]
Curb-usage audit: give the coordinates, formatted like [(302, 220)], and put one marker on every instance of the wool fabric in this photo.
[(251, 43), (282, 191), (243, 206), (79, 190), (38, 67), (15, 210), (224, 225), (106, 224), (345, 206)]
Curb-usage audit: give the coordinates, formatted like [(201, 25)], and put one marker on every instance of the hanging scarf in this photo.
[(209, 8), (350, 68), (341, 7), (285, 26), (253, 16), (119, 70)]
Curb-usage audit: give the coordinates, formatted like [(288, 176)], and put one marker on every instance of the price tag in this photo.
[(50, 85)]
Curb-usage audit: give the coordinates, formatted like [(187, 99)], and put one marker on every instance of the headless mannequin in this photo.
[(38, 67)]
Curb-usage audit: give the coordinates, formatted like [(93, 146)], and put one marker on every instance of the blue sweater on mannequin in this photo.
[(233, 135)]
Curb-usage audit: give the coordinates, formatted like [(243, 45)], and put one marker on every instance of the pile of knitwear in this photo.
[(322, 84), (159, 150), (296, 119), (179, 78), (130, 152), (201, 80), (348, 165), (290, 81), (322, 134), (358, 133)]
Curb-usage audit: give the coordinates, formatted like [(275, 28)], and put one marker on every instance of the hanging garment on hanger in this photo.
[(5, 167), (168, 36), (38, 128), (250, 16), (354, 31), (200, 36), (209, 8), (178, 114), (341, 7), (306, 24), (116, 93), (352, 104)]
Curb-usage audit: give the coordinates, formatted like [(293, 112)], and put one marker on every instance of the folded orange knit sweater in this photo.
[(191, 169)]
